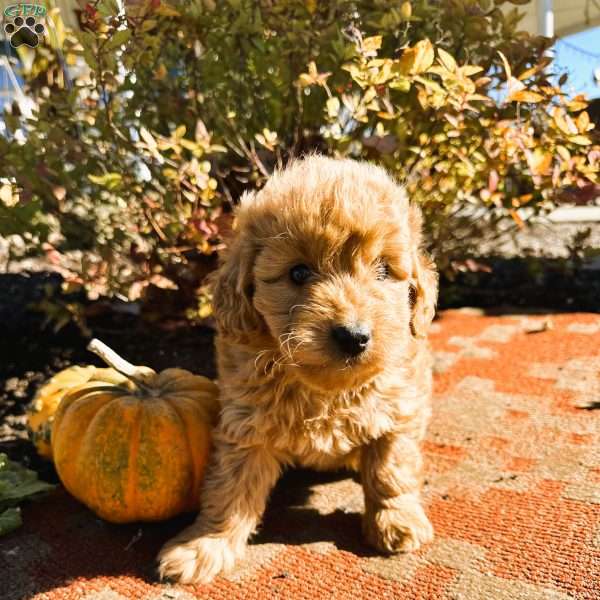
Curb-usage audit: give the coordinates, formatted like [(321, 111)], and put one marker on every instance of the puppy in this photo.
[(322, 305)]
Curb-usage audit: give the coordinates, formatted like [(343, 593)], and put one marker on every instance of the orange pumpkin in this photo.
[(136, 450), (40, 413)]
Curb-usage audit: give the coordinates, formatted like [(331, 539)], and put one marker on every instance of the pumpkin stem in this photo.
[(138, 375)]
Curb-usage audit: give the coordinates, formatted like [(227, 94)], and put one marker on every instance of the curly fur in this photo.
[(288, 396)]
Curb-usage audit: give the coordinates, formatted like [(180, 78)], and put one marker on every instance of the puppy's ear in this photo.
[(424, 280), (233, 285)]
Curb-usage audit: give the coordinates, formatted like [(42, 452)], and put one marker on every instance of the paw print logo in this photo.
[(24, 31)]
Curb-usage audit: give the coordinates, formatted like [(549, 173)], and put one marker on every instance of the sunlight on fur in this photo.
[(322, 305)]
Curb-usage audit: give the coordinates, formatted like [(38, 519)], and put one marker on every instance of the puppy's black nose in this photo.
[(353, 339)]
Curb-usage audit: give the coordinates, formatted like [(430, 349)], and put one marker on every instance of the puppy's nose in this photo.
[(351, 339)]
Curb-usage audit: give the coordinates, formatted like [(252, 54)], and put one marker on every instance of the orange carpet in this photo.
[(513, 490)]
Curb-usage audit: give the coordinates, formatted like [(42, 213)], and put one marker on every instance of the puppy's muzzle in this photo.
[(352, 340)]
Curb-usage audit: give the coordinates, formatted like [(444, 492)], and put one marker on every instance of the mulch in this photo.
[(513, 491)]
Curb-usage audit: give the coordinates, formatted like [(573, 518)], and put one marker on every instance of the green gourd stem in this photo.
[(135, 374)]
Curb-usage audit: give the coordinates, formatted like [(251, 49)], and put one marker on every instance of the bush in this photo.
[(148, 125)]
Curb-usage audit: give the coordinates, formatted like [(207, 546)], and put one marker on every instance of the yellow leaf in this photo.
[(311, 6), (370, 45), (260, 138), (270, 136), (305, 80), (581, 140), (267, 138), (147, 137), (425, 56), (525, 96), (539, 162), (506, 65), (452, 120), (468, 70), (447, 60), (406, 61), (406, 10), (6, 195), (313, 76), (544, 62), (583, 122), (417, 59), (564, 122), (577, 103), (161, 72), (333, 107), (189, 145), (205, 310), (166, 10), (514, 85), (481, 98), (563, 153), (110, 181), (576, 106), (369, 95), (163, 282), (422, 98)]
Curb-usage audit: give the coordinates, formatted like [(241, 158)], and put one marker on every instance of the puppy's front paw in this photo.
[(403, 528), (195, 560)]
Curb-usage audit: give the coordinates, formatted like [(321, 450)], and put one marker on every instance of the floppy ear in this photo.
[(233, 287), (424, 283)]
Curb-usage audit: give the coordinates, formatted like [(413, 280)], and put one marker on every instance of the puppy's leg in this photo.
[(233, 500), (394, 519)]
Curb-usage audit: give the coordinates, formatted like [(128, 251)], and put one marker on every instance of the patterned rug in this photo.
[(513, 490)]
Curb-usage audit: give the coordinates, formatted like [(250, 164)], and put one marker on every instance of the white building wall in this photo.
[(570, 16)]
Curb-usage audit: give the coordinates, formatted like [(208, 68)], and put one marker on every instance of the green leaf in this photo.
[(108, 8), (118, 39), (401, 83), (148, 25), (17, 483), (90, 58), (166, 10), (10, 520), (429, 83), (24, 217)]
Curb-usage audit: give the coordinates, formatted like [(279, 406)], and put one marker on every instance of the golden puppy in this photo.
[(322, 305)]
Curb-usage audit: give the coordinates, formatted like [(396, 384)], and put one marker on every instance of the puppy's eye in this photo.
[(300, 274), (383, 270)]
